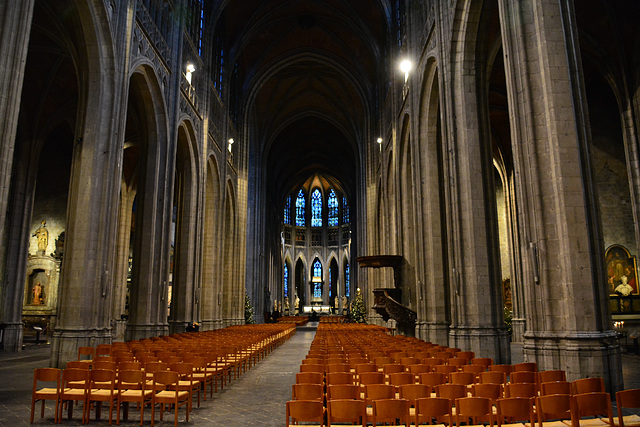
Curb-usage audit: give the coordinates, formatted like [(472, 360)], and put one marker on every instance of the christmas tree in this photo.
[(248, 310), (357, 313)]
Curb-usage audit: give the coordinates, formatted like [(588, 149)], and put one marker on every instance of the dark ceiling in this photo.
[(308, 73)]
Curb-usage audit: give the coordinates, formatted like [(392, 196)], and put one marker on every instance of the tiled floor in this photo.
[(255, 399)]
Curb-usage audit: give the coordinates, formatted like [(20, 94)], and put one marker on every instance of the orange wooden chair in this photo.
[(346, 411), (339, 378), (74, 388), (367, 378), (307, 392), (309, 378), (400, 378), (512, 410), (525, 366), (482, 361), (466, 378), (520, 390), (490, 391), (394, 411), (433, 379), (50, 392), (555, 387), (86, 354), (186, 380), (492, 377), (505, 369), (475, 369), (343, 391), (433, 410), (451, 391), (102, 388), (523, 377), (588, 385), (627, 399), (165, 383), (378, 391), (305, 411), (552, 375), (309, 367), (591, 405), (338, 367), (132, 388), (553, 407), (469, 355), (478, 409)]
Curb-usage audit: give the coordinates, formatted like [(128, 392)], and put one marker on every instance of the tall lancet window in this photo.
[(316, 208), (286, 280), (300, 205), (332, 203), (287, 211), (317, 273), (346, 281), (345, 211)]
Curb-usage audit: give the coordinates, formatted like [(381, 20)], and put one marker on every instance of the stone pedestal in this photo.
[(40, 295)]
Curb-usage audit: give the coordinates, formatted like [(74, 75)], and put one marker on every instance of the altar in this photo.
[(308, 309)]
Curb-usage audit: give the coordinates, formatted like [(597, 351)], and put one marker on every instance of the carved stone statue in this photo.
[(42, 234), (297, 302), (286, 303), (37, 294)]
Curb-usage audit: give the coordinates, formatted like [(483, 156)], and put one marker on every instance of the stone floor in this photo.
[(257, 398)]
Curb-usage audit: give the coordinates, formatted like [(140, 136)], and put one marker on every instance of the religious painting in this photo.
[(621, 271)]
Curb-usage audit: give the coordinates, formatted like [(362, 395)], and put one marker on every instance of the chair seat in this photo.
[(589, 422), (71, 392), (629, 421), (516, 425), (168, 396), (135, 393), (556, 423), (101, 392), (52, 392), (436, 425)]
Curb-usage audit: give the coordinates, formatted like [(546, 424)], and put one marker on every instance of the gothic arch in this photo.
[(230, 288), (210, 265)]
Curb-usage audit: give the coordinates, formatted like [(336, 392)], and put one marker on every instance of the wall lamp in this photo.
[(190, 70)]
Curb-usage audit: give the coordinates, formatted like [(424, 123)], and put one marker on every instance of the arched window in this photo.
[(300, 205), (316, 208), (330, 282), (317, 272), (346, 280), (286, 280), (287, 211), (332, 203), (345, 211)]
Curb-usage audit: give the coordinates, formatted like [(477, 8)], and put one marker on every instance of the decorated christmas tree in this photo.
[(357, 313), (248, 310)]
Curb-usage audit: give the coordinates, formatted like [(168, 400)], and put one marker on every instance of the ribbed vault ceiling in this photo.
[(308, 72)]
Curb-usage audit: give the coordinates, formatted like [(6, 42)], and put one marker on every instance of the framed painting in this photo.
[(621, 271)]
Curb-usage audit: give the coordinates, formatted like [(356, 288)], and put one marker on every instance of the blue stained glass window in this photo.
[(345, 211), (333, 209), (287, 211), (286, 280), (330, 282), (317, 272), (316, 208), (346, 281), (300, 209), (201, 32)]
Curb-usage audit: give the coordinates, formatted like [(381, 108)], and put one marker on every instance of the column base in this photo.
[(484, 342), (136, 332), (437, 333), (12, 337), (65, 343)]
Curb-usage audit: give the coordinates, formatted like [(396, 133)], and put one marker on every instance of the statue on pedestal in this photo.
[(42, 234), (37, 294)]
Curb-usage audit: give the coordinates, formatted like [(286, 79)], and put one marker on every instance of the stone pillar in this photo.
[(567, 319), (15, 29)]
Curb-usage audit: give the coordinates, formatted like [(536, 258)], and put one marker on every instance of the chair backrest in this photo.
[(400, 378), (451, 391), (419, 368), (553, 406), (432, 361), (457, 361), (75, 376), (339, 378), (590, 405), (151, 367), (129, 365), (466, 355), (103, 364), (76, 364), (392, 368), (514, 409), (523, 377), (588, 385), (465, 378), (627, 399), (86, 351), (307, 392), (490, 391), (346, 410), (338, 367), (379, 391), (432, 378), (304, 410), (410, 361), (520, 390), (131, 379), (431, 409), (48, 375), (371, 378), (555, 387), (343, 391), (412, 392), (483, 361), (103, 379), (475, 369), (365, 367), (492, 377), (505, 369), (309, 367), (554, 375), (525, 366), (164, 379), (473, 407), (391, 411), (309, 378), (382, 360)]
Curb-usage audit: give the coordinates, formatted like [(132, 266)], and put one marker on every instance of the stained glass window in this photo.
[(345, 211), (300, 209), (333, 209), (317, 272), (346, 280), (330, 282), (287, 211), (286, 280), (316, 208)]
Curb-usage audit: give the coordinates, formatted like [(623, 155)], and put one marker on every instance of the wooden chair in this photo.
[(307, 392), (433, 379), (163, 382), (367, 378), (343, 391), (202, 376), (76, 364), (394, 411), (381, 361), (469, 355), (553, 407), (477, 409), (432, 361), (523, 377), (555, 387), (588, 385), (406, 361), (466, 378), (627, 399), (492, 377), (104, 365), (514, 412), (418, 369), (338, 367), (433, 409), (186, 381), (482, 361), (49, 376), (312, 368), (413, 392), (490, 391), (304, 410), (104, 350), (378, 391), (309, 378), (596, 404), (132, 388), (392, 368), (525, 366), (553, 375), (451, 391), (365, 367), (505, 369), (527, 390), (102, 388), (84, 352), (400, 378), (457, 361), (74, 388), (346, 411), (475, 369), (339, 378)]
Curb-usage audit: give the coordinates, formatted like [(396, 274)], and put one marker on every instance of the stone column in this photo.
[(15, 29), (567, 320)]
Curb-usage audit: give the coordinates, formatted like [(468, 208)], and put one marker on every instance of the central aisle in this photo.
[(258, 397)]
